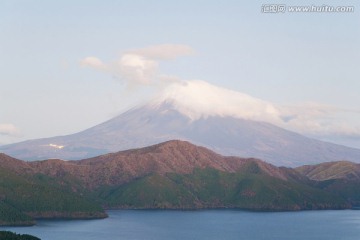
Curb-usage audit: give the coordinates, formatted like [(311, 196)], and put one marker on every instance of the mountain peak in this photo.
[(218, 119), (176, 144), (174, 156)]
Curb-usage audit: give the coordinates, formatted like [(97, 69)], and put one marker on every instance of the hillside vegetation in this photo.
[(341, 178), (171, 175), (24, 197), (6, 235)]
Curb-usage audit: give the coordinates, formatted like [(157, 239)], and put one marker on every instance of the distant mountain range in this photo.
[(162, 121), (170, 175)]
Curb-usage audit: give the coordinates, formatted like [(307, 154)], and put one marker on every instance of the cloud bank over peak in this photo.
[(199, 99), (140, 66)]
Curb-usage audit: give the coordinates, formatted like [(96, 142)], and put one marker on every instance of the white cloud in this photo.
[(322, 120), (94, 63), (137, 69), (198, 99), (9, 130), (140, 66), (164, 51)]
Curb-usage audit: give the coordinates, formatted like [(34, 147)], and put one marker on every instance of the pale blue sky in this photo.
[(285, 58)]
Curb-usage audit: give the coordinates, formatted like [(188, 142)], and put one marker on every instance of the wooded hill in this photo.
[(170, 175)]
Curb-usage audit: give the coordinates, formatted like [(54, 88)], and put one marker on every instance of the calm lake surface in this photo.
[(207, 224)]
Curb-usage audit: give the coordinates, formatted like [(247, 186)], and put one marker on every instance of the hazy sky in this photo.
[(68, 65)]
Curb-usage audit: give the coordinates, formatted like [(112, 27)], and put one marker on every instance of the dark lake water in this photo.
[(207, 224)]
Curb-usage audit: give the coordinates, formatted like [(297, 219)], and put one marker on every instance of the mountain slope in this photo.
[(331, 170), (210, 188), (341, 178), (155, 123), (177, 174), (25, 194), (173, 174), (169, 157)]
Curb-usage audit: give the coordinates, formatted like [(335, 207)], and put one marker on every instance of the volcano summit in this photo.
[(248, 127)]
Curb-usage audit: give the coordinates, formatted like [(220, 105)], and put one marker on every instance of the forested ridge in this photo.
[(170, 175), (6, 235)]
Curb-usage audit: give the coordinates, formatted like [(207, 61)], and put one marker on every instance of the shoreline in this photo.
[(34, 223)]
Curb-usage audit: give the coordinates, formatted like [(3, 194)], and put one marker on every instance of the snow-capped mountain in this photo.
[(243, 128)]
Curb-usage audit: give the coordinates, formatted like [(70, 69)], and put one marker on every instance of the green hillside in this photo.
[(12, 216), (341, 178), (331, 170), (209, 188), (23, 198), (171, 175), (6, 235)]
